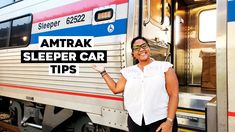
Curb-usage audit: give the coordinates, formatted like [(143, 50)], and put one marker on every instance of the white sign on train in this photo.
[(62, 22)]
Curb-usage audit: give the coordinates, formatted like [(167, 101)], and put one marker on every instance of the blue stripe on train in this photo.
[(120, 27), (231, 10)]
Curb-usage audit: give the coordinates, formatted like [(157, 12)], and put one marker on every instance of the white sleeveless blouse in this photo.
[(145, 92)]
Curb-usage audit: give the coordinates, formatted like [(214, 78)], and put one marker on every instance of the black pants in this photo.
[(133, 127)]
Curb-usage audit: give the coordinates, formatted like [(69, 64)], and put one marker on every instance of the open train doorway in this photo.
[(184, 33)]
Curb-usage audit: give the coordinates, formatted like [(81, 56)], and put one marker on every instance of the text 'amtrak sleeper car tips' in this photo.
[(64, 53)]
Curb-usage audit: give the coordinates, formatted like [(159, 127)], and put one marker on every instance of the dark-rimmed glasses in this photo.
[(138, 47)]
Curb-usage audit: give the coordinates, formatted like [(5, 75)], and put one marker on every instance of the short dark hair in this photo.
[(137, 38)]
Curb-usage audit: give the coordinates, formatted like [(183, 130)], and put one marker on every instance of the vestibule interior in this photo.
[(194, 46)]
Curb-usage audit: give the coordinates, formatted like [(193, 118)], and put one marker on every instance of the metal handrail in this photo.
[(148, 18)]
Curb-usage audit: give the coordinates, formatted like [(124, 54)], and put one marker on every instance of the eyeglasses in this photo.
[(137, 47)]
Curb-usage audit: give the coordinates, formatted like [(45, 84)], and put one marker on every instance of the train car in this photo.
[(194, 35)]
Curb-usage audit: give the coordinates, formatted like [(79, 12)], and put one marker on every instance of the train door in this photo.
[(184, 33), (225, 66), (156, 27)]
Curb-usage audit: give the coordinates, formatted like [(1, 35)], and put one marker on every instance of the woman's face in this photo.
[(141, 50)]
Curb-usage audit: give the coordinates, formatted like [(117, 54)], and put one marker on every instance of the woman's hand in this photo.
[(98, 68), (165, 127)]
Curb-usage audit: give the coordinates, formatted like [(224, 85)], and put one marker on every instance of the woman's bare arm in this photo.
[(115, 87), (172, 87)]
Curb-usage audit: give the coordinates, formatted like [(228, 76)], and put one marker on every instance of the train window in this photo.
[(4, 3), (15, 32), (207, 26), (20, 31), (104, 15), (4, 33), (156, 11)]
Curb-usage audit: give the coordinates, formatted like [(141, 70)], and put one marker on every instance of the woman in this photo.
[(150, 91)]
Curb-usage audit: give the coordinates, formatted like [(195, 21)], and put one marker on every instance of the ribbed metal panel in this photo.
[(12, 71)]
